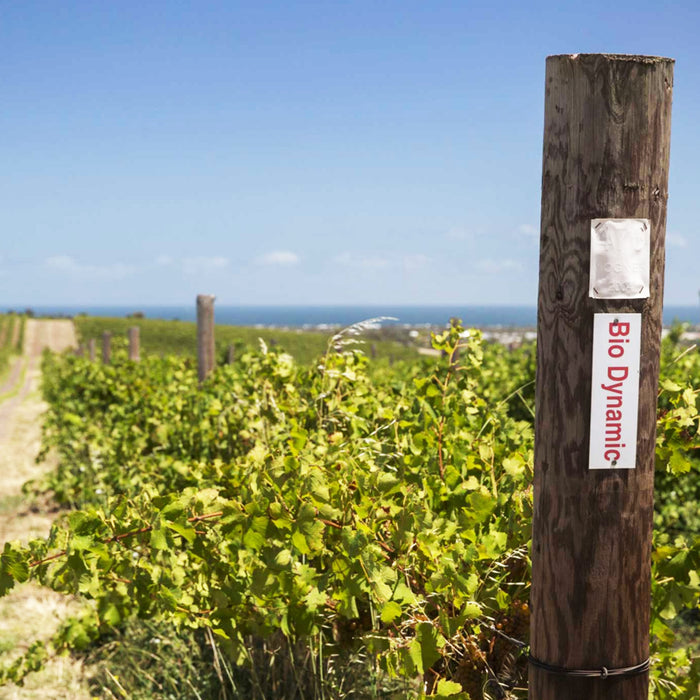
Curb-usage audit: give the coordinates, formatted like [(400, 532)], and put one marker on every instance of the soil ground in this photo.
[(30, 612)]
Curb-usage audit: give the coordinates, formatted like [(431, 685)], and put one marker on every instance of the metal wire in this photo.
[(602, 672)]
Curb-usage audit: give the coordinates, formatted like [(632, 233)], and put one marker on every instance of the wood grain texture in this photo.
[(206, 349), (134, 343), (606, 154)]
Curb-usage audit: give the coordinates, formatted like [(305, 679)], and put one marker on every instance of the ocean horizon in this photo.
[(484, 316)]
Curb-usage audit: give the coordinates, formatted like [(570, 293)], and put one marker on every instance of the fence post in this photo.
[(206, 352), (134, 343), (91, 349), (606, 152), (106, 347), (231, 354)]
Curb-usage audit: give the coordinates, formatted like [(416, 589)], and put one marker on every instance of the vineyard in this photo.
[(180, 338), (11, 337), (341, 528)]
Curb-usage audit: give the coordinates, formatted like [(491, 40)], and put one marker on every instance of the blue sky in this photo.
[(303, 152)]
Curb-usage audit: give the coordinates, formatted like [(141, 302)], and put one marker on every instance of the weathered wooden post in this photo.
[(106, 347), (206, 351), (231, 354), (604, 191), (91, 349), (134, 343)]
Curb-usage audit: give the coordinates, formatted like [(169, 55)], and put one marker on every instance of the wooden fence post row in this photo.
[(604, 191), (206, 350), (134, 343)]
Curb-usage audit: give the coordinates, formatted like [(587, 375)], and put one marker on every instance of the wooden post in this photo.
[(91, 349), (206, 351), (134, 343), (606, 153), (106, 347), (231, 354)]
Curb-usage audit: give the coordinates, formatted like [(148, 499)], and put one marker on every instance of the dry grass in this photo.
[(61, 679), (32, 613)]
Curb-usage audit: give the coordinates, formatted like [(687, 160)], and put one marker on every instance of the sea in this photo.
[(341, 316)]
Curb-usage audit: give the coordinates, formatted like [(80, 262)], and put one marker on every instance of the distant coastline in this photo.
[(319, 316), (323, 317)]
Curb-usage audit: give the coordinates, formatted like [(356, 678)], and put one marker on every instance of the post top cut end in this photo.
[(613, 57)]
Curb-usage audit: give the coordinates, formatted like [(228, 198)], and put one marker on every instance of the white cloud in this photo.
[(457, 233), (494, 267), (68, 265), (194, 265), (528, 230), (367, 262), (61, 262), (200, 264), (415, 262), (675, 240), (409, 262), (283, 258)]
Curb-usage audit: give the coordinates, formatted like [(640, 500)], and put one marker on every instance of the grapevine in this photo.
[(343, 508)]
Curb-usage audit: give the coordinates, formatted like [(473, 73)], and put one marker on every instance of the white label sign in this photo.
[(615, 391), (620, 258)]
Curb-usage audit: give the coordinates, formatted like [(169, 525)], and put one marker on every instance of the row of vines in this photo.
[(11, 337), (345, 529)]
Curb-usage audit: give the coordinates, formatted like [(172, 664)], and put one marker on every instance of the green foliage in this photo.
[(676, 557), (368, 525), (11, 338)]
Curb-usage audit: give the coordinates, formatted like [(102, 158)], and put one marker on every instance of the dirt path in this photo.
[(20, 428), (25, 373), (30, 612)]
